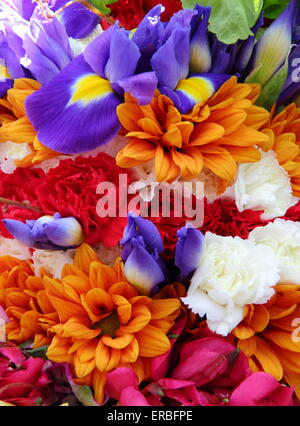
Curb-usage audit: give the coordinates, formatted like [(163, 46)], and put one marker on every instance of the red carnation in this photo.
[(222, 218), (69, 189), (131, 12)]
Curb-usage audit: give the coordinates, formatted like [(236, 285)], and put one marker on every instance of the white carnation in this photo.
[(11, 247), (52, 261), (233, 273), (264, 185), (9, 152), (284, 238)]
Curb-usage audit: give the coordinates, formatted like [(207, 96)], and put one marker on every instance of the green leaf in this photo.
[(84, 395), (271, 91), (230, 20), (37, 353), (101, 5), (273, 8)]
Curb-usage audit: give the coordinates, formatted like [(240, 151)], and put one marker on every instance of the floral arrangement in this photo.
[(149, 203)]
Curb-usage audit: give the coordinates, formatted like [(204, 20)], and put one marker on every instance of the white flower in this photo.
[(284, 238), (11, 247), (52, 261), (79, 45), (233, 273), (9, 152), (264, 185)]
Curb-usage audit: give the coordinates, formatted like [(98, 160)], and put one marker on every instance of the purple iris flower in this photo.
[(37, 37), (47, 232), (76, 110), (176, 62), (78, 20), (141, 248), (189, 248)]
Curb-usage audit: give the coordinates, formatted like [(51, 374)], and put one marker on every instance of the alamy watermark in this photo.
[(153, 200), (296, 72)]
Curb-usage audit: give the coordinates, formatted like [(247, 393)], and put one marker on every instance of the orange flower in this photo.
[(284, 138), (23, 298), (266, 335), (103, 322), (216, 135), (15, 126)]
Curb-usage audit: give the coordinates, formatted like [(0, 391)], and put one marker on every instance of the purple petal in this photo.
[(26, 8), (5, 85), (76, 111), (78, 20), (201, 59), (221, 57), (14, 68), (123, 58), (96, 53), (142, 270), (20, 231), (138, 226), (65, 232), (47, 49), (148, 37), (141, 86), (188, 252), (182, 19), (171, 61)]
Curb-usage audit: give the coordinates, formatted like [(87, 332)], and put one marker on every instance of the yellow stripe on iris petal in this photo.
[(4, 74), (198, 89), (90, 88)]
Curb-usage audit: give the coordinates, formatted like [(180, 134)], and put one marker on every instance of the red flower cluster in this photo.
[(69, 189), (222, 218), (131, 12)]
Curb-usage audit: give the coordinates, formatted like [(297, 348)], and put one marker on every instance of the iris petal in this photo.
[(124, 57), (96, 53), (20, 231), (188, 251), (78, 20), (201, 59), (76, 111), (141, 86), (171, 61), (65, 232), (142, 270)]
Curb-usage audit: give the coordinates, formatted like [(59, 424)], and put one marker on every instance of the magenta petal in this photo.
[(201, 367), (258, 389), (174, 384), (161, 365), (120, 379), (130, 397)]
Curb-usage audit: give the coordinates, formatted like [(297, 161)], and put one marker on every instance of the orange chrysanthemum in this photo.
[(267, 335), (23, 297), (15, 126), (284, 138), (216, 135), (103, 322)]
